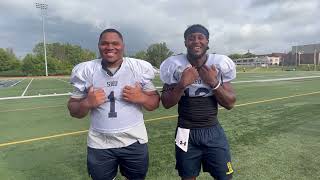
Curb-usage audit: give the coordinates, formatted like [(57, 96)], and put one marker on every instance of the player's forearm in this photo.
[(225, 98), (78, 109), (151, 102), (171, 97)]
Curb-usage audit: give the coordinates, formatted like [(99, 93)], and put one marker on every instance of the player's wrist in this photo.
[(215, 85), (181, 86), (86, 104)]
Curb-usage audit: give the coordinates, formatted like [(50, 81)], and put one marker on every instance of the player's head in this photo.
[(196, 40), (111, 46)]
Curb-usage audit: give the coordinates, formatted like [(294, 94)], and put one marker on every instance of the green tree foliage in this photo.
[(249, 55), (61, 58), (235, 56), (8, 61), (158, 52), (238, 56), (33, 65), (141, 55)]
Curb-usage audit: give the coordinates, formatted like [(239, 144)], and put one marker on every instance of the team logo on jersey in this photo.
[(198, 81), (112, 83)]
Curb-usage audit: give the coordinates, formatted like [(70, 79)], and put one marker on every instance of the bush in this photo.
[(12, 73)]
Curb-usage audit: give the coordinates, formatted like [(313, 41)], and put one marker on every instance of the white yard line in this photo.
[(277, 79), (63, 81), (159, 87), (26, 97), (16, 83), (26, 88)]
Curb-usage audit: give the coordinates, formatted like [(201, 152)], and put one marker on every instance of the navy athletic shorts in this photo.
[(133, 162), (207, 147)]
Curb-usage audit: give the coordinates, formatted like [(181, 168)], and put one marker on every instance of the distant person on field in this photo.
[(198, 82), (114, 89)]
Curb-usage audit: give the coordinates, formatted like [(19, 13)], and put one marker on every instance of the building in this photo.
[(274, 59), (252, 61), (305, 54)]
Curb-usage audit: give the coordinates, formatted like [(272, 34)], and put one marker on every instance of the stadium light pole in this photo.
[(315, 60), (299, 53), (43, 7), (296, 57)]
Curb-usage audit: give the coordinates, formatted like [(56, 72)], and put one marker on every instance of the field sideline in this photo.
[(273, 130)]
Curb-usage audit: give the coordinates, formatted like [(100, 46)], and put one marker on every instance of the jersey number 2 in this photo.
[(112, 113)]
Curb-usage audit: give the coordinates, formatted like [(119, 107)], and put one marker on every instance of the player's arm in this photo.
[(152, 100), (225, 95), (79, 108), (149, 100), (171, 94)]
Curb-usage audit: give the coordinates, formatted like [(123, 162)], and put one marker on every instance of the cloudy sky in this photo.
[(236, 26)]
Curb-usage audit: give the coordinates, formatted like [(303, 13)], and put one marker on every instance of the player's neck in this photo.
[(197, 61), (114, 64), (111, 67)]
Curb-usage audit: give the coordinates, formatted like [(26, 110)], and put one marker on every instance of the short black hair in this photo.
[(110, 30), (196, 28)]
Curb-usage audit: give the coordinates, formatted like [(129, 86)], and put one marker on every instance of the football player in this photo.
[(198, 82), (114, 89)]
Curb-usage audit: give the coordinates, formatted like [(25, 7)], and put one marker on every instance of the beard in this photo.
[(197, 56)]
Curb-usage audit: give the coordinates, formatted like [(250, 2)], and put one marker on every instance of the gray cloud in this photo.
[(235, 26)]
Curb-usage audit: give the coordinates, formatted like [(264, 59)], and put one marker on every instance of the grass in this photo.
[(277, 139)]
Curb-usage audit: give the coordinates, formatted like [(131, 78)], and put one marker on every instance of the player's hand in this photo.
[(95, 97), (133, 94), (209, 75), (189, 75)]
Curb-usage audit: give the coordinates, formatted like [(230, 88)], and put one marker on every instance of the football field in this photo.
[(273, 131)]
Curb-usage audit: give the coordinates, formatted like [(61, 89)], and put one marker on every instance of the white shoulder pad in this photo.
[(81, 77), (142, 69), (227, 67), (168, 69)]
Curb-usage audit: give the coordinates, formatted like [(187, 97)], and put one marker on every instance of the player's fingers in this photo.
[(200, 70), (196, 73), (213, 67), (127, 87), (90, 90), (99, 91), (126, 90), (137, 84), (205, 67), (188, 69)]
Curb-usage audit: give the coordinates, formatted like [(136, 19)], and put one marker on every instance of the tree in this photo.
[(8, 61), (158, 52), (62, 57), (140, 55), (248, 55), (33, 65), (73, 54), (235, 56)]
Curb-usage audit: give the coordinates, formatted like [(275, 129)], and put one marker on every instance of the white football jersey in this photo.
[(116, 115), (171, 70)]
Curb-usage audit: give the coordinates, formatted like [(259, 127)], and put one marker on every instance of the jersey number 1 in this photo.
[(112, 113)]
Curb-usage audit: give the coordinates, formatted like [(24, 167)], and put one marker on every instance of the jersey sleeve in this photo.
[(228, 69), (170, 73), (144, 73), (80, 80), (148, 74)]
